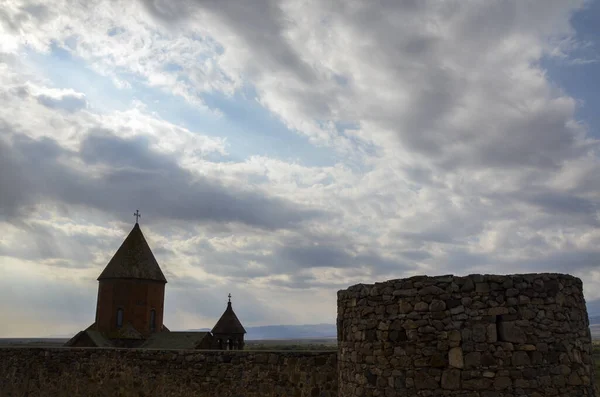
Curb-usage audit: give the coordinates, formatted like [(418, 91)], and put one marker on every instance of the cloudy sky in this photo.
[(283, 150)]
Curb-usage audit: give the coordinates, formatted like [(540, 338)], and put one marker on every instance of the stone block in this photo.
[(437, 305), (451, 379), (509, 331), (455, 357)]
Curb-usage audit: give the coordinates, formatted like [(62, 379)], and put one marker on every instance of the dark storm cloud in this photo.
[(426, 65), (40, 245), (560, 207), (53, 302), (330, 255), (198, 297), (15, 184), (260, 24), (103, 147), (10, 198), (416, 255), (571, 262), (69, 103), (294, 256), (315, 256), (562, 202), (37, 12), (462, 262), (35, 171), (52, 246), (305, 282)]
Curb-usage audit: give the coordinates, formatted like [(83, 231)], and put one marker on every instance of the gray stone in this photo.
[(502, 382), (520, 358), (405, 307), (431, 290), (455, 357), (468, 286), (451, 379), (509, 331), (491, 333), (437, 306), (472, 360)]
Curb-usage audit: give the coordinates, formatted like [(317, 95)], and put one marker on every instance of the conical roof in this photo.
[(228, 323), (133, 259)]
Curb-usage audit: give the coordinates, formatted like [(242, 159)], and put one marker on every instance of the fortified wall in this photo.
[(64, 371), (476, 336)]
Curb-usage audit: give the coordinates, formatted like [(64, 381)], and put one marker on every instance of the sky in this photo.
[(283, 150)]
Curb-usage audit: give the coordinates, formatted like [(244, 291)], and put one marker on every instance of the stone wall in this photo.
[(136, 372), (474, 336)]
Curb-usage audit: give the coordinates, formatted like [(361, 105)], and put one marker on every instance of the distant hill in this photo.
[(593, 309), (325, 331), (322, 331), (594, 320)]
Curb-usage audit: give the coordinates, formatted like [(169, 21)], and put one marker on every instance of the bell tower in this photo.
[(229, 332)]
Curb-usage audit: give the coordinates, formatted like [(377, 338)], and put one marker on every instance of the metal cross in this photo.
[(137, 215), (229, 296)]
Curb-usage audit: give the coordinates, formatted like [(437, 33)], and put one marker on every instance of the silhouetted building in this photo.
[(229, 332), (130, 305)]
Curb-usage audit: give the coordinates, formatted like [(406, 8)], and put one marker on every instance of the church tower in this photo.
[(229, 332), (131, 291), (130, 304)]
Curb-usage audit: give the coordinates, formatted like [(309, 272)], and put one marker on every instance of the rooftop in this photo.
[(133, 259)]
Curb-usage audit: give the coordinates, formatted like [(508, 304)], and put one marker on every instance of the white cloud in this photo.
[(468, 157)]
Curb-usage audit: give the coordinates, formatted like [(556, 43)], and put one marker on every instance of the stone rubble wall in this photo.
[(473, 336), (142, 372)]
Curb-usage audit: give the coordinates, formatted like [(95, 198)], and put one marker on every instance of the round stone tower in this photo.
[(476, 336)]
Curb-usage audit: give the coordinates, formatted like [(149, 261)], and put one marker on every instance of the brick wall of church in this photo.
[(136, 297), (128, 372)]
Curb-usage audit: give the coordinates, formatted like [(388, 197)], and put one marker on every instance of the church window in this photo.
[(119, 318), (152, 320)]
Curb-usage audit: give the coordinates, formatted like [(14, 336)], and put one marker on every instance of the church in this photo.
[(130, 305)]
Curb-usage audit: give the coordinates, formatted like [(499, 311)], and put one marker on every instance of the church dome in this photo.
[(133, 260)]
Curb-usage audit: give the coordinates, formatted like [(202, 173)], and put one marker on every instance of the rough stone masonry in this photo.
[(104, 372), (473, 336)]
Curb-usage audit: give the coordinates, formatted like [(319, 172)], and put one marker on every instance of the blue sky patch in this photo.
[(579, 76), (249, 128)]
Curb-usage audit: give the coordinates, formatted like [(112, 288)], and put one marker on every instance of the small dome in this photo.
[(228, 323)]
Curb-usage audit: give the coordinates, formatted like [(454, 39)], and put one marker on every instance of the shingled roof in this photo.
[(133, 259), (175, 340), (228, 323), (94, 336)]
